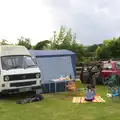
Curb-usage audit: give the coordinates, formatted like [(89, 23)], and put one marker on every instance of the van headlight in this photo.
[(38, 75), (6, 78)]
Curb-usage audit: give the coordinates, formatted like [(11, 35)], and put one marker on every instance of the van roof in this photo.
[(7, 50)]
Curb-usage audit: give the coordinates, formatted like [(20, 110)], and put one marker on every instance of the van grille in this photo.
[(20, 84), (22, 76)]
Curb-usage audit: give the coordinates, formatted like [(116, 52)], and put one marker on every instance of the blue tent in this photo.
[(54, 63)]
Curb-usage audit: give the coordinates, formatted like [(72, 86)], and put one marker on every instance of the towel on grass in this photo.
[(82, 99)]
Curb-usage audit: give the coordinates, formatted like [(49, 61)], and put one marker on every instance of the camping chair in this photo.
[(112, 83)]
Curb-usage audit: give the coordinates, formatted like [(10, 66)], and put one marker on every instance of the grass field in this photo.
[(59, 107)]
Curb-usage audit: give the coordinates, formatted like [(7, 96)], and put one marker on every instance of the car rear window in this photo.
[(107, 66), (118, 65)]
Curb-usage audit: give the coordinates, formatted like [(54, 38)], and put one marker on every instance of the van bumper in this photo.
[(17, 90)]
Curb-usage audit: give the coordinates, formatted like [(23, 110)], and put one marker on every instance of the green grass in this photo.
[(59, 107)]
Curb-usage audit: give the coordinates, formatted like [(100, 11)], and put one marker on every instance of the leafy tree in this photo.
[(58, 39), (25, 42), (65, 39), (103, 52), (92, 48), (98, 52), (42, 45), (4, 42), (114, 46), (110, 48), (79, 50)]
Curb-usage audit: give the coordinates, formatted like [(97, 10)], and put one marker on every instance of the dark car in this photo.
[(99, 72)]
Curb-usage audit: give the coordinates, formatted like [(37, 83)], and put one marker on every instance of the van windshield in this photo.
[(13, 62)]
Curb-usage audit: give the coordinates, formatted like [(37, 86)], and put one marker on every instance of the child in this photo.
[(90, 93), (93, 90)]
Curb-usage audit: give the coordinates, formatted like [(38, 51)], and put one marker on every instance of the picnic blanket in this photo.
[(82, 99)]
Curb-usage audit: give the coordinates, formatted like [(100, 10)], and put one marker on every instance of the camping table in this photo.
[(57, 81)]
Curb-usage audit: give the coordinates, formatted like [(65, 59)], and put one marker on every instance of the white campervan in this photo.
[(18, 71)]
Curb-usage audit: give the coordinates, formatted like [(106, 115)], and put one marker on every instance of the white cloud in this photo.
[(28, 18), (92, 20)]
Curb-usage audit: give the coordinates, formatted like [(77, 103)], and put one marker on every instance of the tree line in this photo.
[(66, 39)]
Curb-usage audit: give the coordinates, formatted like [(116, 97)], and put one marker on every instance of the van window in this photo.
[(28, 61), (10, 62), (107, 66)]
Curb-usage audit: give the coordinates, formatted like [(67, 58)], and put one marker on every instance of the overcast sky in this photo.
[(91, 20)]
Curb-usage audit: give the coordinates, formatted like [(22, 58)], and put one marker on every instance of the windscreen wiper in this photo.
[(30, 66)]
